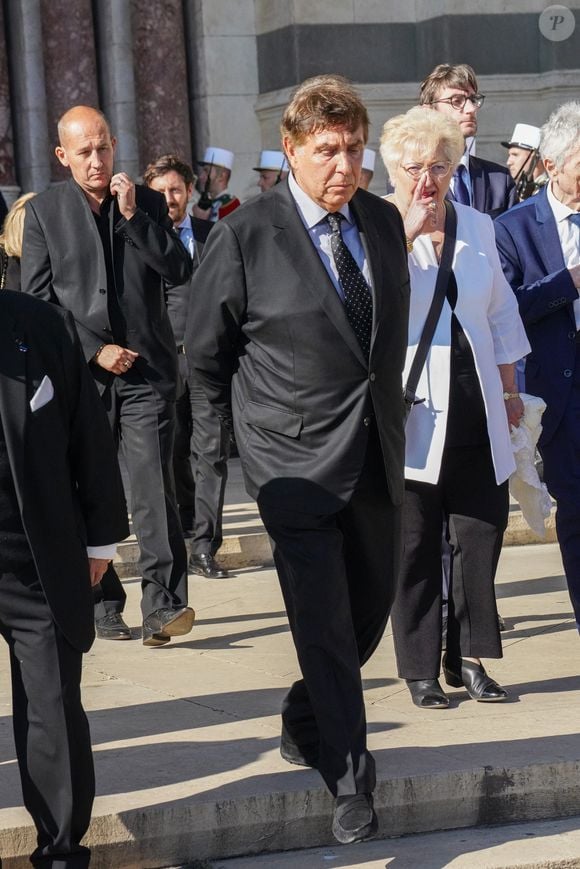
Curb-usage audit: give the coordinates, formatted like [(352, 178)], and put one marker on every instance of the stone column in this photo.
[(161, 80), (70, 63), (24, 34), (117, 80), (223, 81), (7, 175)]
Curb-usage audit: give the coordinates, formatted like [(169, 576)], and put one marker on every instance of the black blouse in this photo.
[(466, 421)]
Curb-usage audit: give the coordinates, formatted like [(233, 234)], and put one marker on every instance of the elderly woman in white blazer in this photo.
[(458, 454)]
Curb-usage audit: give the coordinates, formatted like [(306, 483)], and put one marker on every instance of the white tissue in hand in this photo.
[(525, 485)]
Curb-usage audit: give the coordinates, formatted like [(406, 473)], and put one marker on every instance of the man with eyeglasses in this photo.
[(486, 186)]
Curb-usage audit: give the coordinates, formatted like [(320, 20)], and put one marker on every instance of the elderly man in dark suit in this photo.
[(201, 448), (61, 512), (539, 248), (102, 247), (298, 327), (486, 186)]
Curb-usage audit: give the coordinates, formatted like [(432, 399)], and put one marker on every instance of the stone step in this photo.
[(246, 543), (186, 737)]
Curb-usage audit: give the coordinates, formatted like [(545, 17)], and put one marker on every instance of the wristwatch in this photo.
[(508, 395)]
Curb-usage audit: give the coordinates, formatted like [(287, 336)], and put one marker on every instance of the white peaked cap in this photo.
[(369, 159), (524, 136), (219, 157), (274, 160)]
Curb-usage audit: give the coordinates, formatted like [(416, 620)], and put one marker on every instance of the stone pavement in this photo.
[(533, 845), (186, 736)]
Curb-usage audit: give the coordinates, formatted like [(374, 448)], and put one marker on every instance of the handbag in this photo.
[(450, 232)]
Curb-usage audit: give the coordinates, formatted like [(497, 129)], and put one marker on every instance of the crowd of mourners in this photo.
[(368, 356)]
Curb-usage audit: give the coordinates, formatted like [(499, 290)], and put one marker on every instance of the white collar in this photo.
[(465, 160), (561, 211), (312, 213)]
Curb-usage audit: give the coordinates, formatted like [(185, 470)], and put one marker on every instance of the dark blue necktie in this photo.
[(358, 303), (460, 190), (574, 218)]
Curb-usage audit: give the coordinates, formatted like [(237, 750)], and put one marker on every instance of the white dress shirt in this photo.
[(314, 219), (569, 236)]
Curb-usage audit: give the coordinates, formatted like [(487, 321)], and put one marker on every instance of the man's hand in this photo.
[(97, 568), (124, 189), (116, 359)]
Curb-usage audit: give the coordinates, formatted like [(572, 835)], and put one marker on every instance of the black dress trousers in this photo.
[(51, 731), (144, 423), (474, 509), (337, 573)]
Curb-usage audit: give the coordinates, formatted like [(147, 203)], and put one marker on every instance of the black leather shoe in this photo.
[(427, 693), (161, 625), (474, 679), (112, 627), (205, 564), (301, 755), (354, 819)]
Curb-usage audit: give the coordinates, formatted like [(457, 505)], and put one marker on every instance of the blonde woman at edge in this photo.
[(458, 455), (11, 244)]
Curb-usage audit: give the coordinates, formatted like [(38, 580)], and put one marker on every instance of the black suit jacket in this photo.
[(492, 186), (63, 262), (268, 337), (177, 296), (62, 456)]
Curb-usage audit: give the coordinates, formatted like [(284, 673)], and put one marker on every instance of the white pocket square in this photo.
[(43, 394)]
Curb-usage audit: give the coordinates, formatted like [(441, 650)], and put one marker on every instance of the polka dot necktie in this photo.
[(358, 303)]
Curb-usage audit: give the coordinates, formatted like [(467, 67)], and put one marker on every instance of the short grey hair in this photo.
[(560, 134)]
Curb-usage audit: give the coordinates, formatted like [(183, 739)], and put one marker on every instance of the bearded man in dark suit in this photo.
[(102, 247), (201, 448), (61, 512), (298, 327)]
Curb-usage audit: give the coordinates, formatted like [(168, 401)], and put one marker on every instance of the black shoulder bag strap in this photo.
[(409, 392)]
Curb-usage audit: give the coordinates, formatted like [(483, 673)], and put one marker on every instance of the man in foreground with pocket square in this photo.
[(101, 246), (297, 328), (62, 510)]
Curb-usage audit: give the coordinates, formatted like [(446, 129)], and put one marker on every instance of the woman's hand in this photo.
[(514, 407), (421, 216)]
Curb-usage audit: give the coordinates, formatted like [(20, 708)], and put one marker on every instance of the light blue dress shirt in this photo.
[(186, 235), (314, 219), (466, 177)]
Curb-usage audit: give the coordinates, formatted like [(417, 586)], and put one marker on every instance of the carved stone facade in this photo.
[(179, 75)]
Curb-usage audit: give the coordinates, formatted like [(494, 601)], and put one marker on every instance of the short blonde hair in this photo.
[(13, 228), (421, 130)]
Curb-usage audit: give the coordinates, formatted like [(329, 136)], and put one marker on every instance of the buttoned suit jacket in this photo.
[(269, 339), (63, 262), (531, 255), (492, 187), (61, 454)]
